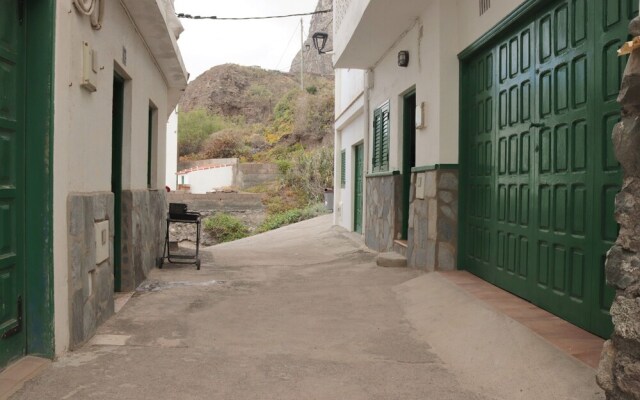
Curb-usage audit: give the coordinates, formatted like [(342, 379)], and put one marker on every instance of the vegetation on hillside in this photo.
[(297, 135)]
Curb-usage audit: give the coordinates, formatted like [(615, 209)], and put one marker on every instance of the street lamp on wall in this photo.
[(320, 41)]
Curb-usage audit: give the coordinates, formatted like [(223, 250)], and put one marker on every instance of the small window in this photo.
[(343, 169), (484, 6), (381, 126)]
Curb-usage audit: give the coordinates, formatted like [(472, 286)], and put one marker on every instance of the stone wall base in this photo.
[(432, 240), (382, 213), (90, 284), (144, 215)]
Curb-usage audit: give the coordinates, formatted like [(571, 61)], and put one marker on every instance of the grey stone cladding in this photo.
[(432, 240), (90, 285), (144, 215), (382, 213), (619, 369)]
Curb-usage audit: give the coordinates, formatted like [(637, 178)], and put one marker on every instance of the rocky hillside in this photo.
[(315, 63), (248, 112), (232, 90)]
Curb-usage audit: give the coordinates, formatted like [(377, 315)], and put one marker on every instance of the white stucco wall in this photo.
[(349, 86), (82, 124), (171, 167), (207, 180), (473, 25)]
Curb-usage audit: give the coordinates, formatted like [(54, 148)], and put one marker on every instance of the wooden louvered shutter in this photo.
[(384, 151), (377, 140)]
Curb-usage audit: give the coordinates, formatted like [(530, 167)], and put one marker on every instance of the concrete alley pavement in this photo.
[(303, 312)]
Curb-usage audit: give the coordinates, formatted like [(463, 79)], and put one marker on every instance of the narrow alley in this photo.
[(303, 312)]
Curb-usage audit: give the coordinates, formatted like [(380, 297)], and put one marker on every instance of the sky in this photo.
[(270, 44)]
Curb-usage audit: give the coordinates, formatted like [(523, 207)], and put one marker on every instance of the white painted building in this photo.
[(351, 129), (208, 178), (487, 139), (171, 166), (88, 86)]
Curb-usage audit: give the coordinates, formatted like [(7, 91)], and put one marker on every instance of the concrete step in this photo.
[(400, 247), (391, 260)]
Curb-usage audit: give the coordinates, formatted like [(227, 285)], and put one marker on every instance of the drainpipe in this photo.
[(368, 85)]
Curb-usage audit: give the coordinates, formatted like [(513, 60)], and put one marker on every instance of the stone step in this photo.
[(391, 260), (400, 247)]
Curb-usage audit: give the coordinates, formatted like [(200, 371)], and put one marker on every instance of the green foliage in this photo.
[(310, 173), (194, 128), (312, 90), (225, 227), (227, 143), (278, 220)]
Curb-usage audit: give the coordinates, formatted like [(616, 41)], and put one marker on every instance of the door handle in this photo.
[(537, 125)]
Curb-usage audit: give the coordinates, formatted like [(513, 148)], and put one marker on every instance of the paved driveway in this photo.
[(297, 313)]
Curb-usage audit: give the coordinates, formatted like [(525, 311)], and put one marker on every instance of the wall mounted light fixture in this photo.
[(403, 58), (320, 41)]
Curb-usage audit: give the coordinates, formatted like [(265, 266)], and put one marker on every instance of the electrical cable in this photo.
[(189, 16), (287, 48)]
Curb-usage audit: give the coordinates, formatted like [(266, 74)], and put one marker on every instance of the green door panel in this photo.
[(358, 197), (540, 177), (12, 184)]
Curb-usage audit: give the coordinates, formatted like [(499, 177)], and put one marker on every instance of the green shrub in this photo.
[(195, 127), (225, 227), (278, 220), (310, 173), (227, 143)]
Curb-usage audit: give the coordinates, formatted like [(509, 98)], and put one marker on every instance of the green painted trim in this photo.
[(435, 167), (382, 174), (40, 53), (521, 11)]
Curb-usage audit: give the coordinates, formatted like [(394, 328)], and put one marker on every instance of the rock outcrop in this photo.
[(619, 369), (314, 63)]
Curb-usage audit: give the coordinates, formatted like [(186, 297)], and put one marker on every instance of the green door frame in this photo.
[(116, 175), (408, 155), (358, 187), (40, 53)]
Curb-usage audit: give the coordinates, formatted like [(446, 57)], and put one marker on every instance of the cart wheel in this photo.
[(159, 262), (198, 265)]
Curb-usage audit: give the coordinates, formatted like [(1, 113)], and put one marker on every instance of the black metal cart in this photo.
[(178, 214)]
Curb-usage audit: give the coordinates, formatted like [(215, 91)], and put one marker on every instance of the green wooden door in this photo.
[(358, 190), (540, 175), (12, 183)]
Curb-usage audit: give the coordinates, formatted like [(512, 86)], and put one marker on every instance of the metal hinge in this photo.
[(21, 11), (18, 328)]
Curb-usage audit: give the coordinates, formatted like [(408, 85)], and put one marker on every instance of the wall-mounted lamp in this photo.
[(319, 41), (403, 58)]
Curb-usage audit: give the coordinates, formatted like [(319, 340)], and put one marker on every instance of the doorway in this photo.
[(408, 156), (116, 175)]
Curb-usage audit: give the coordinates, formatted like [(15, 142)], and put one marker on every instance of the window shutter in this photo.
[(384, 153), (377, 140), (343, 169)]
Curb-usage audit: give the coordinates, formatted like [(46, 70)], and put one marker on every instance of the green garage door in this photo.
[(539, 173)]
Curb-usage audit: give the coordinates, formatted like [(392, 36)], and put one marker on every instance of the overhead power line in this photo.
[(189, 16)]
